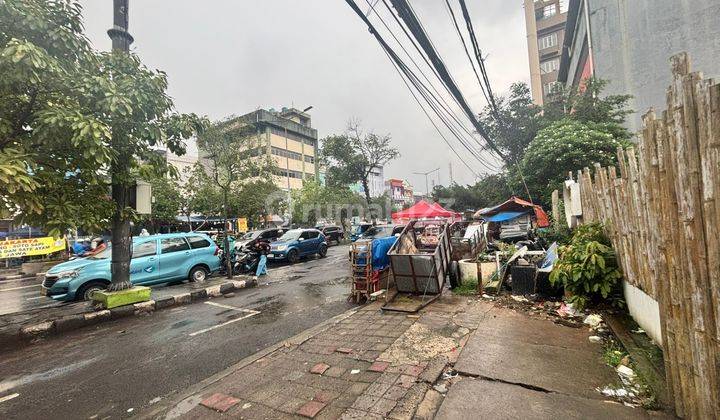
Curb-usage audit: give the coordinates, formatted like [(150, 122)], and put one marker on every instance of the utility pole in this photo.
[(451, 174), (427, 187), (119, 168)]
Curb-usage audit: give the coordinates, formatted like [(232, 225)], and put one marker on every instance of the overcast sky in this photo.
[(228, 57)]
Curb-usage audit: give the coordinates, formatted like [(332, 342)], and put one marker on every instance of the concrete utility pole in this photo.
[(119, 170)]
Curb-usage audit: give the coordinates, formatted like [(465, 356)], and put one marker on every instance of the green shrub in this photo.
[(587, 267)]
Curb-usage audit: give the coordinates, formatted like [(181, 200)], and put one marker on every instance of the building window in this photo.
[(549, 66), (292, 136), (309, 159), (548, 41), (563, 6), (549, 87), (546, 12), (286, 153), (289, 174)]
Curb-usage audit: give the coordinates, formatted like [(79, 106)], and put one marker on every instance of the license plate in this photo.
[(270, 256)]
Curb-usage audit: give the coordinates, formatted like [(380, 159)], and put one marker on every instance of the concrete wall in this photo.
[(634, 39), (644, 310)]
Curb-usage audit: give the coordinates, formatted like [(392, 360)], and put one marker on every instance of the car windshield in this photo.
[(105, 253), (291, 235), (377, 231), (357, 229), (251, 235)]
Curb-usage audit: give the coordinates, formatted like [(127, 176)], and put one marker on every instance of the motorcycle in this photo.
[(243, 261)]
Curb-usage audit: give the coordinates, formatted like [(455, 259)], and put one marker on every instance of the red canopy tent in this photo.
[(425, 210)]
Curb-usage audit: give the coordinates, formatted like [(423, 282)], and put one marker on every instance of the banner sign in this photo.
[(16, 248), (242, 225)]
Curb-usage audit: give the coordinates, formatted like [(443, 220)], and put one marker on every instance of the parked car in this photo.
[(252, 237), (358, 230), (332, 233), (155, 259), (298, 243)]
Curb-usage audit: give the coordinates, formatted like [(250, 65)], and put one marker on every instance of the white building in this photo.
[(376, 183)]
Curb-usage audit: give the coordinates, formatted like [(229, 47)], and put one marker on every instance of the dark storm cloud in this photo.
[(231, 57)]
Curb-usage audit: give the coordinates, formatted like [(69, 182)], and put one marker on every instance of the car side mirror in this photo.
[(301, 239)]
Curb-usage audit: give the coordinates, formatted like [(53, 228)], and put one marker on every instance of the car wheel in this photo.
[(88, 289), (198, 274), (293, 256), (322, 251)]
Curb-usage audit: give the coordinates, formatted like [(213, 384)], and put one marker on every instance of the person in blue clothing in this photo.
[(263, 248)]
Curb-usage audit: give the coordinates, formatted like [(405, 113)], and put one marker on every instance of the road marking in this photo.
[(249, 312), (18, 288), (9, 397), (37, 297)]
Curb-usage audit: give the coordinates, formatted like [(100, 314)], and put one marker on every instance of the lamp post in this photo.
[(119, 170), (427, 188)]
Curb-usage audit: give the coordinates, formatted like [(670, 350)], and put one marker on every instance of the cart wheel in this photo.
[(454, 275)]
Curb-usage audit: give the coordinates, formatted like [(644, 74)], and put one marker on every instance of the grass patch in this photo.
[(466, 289), (613, 353)]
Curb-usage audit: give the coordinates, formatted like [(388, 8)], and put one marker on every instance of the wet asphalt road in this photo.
[(118, 368), (22, 294)]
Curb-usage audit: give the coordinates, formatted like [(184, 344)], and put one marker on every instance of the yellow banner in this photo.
[(242, 224), (16, 248)]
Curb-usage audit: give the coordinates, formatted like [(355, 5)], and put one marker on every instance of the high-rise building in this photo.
[(288, 137), (376, 183), (545, 23), (630, 44)]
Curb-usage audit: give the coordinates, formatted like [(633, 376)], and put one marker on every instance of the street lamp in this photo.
[(427, 188)]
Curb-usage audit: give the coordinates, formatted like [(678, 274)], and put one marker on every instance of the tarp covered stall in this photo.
[(515, 205)]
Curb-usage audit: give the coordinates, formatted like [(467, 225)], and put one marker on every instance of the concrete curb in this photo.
[(185, 401), (57, 326)]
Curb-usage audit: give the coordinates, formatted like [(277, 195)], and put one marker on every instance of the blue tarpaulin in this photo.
[(505, 216), (380, 248)]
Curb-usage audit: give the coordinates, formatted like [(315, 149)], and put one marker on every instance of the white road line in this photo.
[(220, 305), (18, 288), (249, 312), (36, 298), (9, 397)]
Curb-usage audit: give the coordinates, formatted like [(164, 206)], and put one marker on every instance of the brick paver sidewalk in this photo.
[(342, 372)]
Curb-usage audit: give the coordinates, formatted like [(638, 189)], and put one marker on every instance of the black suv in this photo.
[(332, 233)]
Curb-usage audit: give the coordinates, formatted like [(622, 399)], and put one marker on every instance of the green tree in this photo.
[(564, 146), (79, 119), (233, 152), (488, 191), (352, 156), (167, 201), (520, 119), (315, 201)]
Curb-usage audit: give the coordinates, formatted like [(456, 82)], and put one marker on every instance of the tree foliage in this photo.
[(68, 114), (520, 120), (564, 146), (351, 156), (486, 192), (333, 203)]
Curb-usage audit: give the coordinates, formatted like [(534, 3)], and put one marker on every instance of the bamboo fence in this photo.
[(662, 213)]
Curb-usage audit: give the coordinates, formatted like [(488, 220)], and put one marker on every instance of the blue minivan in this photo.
[(297, 243), (155, 259)]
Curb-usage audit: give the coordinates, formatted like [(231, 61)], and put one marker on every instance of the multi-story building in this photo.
[(545, 23), (183, 164), (631, 42), (288, 138), (376, 183), (400, 192)]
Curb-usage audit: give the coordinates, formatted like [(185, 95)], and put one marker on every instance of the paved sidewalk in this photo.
[(516, 366), (372, 364), (457, 358)]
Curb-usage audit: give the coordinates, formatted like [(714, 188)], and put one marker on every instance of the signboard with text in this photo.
[(17, 248), (242, 225)]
